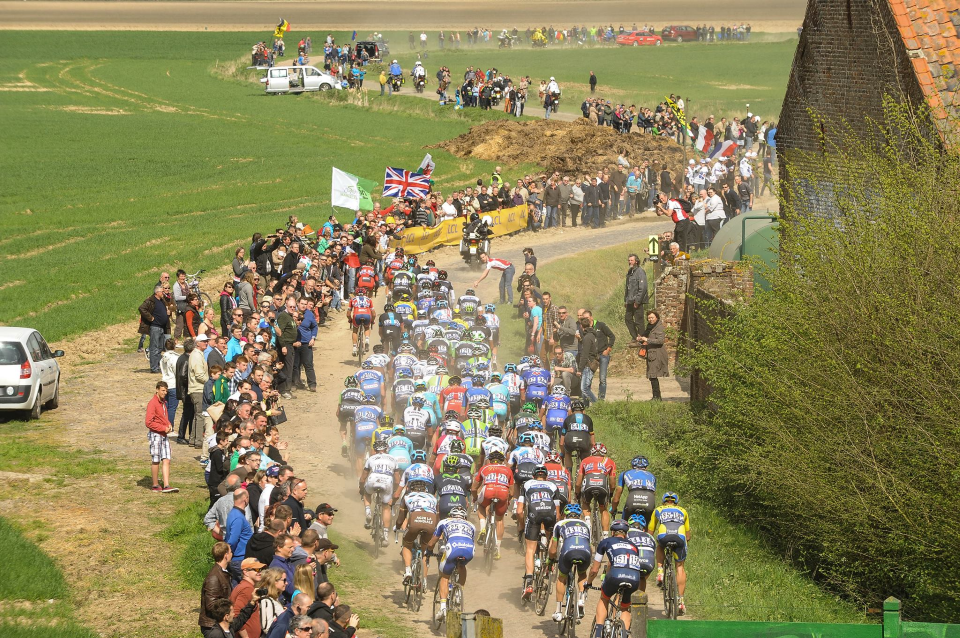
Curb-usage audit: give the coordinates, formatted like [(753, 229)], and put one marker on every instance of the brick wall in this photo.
[(849, 56)]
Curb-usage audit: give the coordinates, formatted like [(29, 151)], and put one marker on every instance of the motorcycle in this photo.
[(472, 244), (396, 81), (506, 41), (419, 82), (496, 96)]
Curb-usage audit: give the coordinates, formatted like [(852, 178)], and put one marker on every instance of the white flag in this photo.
[(427, 165), (344, 192)]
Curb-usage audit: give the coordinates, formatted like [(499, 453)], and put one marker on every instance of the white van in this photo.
[(296, 79)]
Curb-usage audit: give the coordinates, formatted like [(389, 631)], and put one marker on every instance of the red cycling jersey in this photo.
[(598, 465), (495, 481)]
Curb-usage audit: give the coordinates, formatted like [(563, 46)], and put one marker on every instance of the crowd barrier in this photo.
[(419, 240)]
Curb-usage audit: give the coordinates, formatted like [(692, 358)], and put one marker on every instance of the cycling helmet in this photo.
[(430, 262), (407, 348), (540, 469), (668, 496), (452, 426), (394, 62), (535, 361), (482, 365), (497, 456), (572, 510), (389, 308), (510, 367), (638, 520), (418, 402), (490, 308), (495, 376), (387, 420), (477, 337), (451, 463), (458, 511), (528, 406), (483, 402), (451, 414), (558, 390), (619, 525), (457, 446), (442, 275), (380, 446), (351, 382), (418, 456), (403, 374), (524, 360), (367, 365), (420, 385), (639, 462), (399, 428), (526, 437), (426, 285), (536, 425), (577, 405), (432, 359), (369, 398), (553, 457), (442, 370), (598, 450), (455, 379), (477, 379), (418, 486), (441, 303), (456, 312), (470, 293), (495, 430), (404, 296), (474, 413), (378, 349)]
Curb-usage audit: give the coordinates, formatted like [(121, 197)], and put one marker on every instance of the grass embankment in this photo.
[(34, 597), (733, 575), (193, 542)]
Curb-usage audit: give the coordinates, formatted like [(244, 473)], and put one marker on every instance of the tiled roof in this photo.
[(929, 29)]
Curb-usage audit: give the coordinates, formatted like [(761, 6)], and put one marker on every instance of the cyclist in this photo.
[(641, 488), (670, 523), (371, 381), (384, 431), (639, 536), (468, 302), (367, 279), (557, 474), (597, 481), (440, 380), (577, 432), (493, 443), (378, 476), (476, 391), (479, 333), (351, 398), (523, 460), (492, 322), (454, 396), (526, 418), (462, 354), (403, 389), (474, 432), (493, 481), (538, 506), (459, 535), (449, 431), (570, 542), (537, 380), (625, 572), (430, 401), (402, 283), (442, 311), (500, 397), (541, 439), (443, 285), (453, 488), (421, 506), (400, 447), (419, 470), (418, 421), (487, 415), (391, 326), (457, 449), (379, 359), (405, 308), (366, 420), (555, 410), (515, 385), (361, 315)]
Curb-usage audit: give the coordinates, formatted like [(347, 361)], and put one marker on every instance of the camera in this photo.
[(262, 592)]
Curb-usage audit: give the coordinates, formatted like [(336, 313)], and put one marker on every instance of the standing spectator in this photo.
[(227, 304), (593, 82), (534, 316), (180, 292), (298, 492), (155, 321), (215, 586), (286, 326), (261, 545), (566, 190), (566, 330), (158, 427), (605, 339), (325, 514), (767, 174), (238, 532), (283, 547), (306, 337), (244, 592), (550, 321), (605, 196), (714, 215), (507, 272), (575, 202), (591, 203), (587, 360), (635, 296), (182, 372), (198, 375), (658, 363), (168, 371), (298, 607), (551, 200)]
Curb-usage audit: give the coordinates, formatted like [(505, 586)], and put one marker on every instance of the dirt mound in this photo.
[(571, 148)]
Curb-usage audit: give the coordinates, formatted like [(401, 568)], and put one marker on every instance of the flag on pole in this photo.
[(726, 149), (398, 182), (679, 114), (353, 38), (704, 139), (350, 191), (427, 165), (281, 29)]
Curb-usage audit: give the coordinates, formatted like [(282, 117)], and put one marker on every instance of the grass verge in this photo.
[(733, 575)]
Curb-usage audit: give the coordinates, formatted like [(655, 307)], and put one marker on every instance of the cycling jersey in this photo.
[(380, 434), (418, 472), (495, 481), (420, 502), (379, 361), (402, 390), (576, 430), (370, 382), (500, 399), (439, 347), (475, 393), (468, 304), (594, 478), (573, 544), (459, 536), (464, 351), (669, 519), (541, 500), (406, 310), (390, 322), (425, 307), (367, 278), (541, 440), (350, 400), (625, 567), (361, 306), (403, 360), (452, 490), (557, 408), (366, 420), (647, 547), (558, 475), (493, 444), (443, 314), (442, 445), (514, 383), (491, 320), (403, 279), (400, 448), (523, 460), (416, 421), (537, 381)]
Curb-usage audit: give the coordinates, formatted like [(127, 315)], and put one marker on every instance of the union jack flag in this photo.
[(398, 182)]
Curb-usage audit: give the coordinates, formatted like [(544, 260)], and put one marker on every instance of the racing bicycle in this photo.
[(359, 330), (571, 604), (413, 591), (490, 542), (671, 596), (613, 626), (454, 595), (193, 284), (542, 579), (376, 525)]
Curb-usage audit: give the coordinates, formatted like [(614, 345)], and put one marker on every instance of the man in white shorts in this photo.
[(158, 427), (380, 472)]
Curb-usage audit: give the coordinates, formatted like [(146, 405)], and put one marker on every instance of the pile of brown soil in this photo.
[(572, 148)]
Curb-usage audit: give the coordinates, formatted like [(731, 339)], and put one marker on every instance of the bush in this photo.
[(835, 427)]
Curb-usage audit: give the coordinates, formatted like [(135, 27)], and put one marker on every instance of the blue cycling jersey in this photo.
[(637, 480)]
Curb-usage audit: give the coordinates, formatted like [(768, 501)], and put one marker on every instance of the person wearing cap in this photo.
[(324, 518), (197, 376), (324, 554), (243, 593)]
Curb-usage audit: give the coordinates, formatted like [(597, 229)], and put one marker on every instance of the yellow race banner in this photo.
[(449, 233)]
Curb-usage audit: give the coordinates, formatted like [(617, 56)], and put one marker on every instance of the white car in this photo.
[(29, 372), (296, 79)]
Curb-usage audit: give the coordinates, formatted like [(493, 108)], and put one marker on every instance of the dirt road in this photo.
[(779, 16)]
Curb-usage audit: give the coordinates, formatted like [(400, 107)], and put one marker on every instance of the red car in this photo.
[(679, 33), (637, 38)]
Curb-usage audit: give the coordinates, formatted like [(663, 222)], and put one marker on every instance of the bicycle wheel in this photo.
[(376, 531), (436, 607), (568, 626), (674, 593), (541, 586), (490, 546), (596, 523), (456, 598), (351, 446), (669, 602), (616, 628), (205, 301), (361, 344)]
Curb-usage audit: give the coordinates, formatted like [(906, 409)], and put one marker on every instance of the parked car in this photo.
[(29, 372), (296, 79), (679, 33), (374, 50), (639, 38)]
